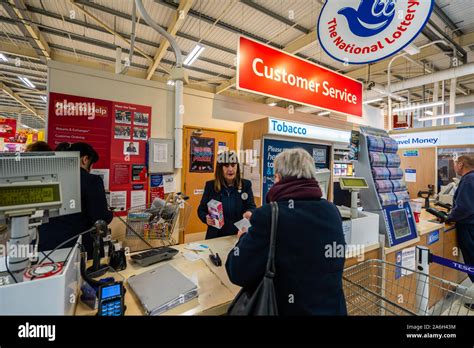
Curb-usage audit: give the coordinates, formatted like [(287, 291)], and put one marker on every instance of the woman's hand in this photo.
[(247, 215), (241, 232), (209, 220)]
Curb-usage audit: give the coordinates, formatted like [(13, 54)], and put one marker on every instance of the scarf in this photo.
[(294, 188)]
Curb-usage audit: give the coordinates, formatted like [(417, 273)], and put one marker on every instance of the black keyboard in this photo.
[(149, 257)]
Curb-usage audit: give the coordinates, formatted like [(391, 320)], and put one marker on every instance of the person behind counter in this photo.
[(234, 192), (308, 271), (463, 211), (39, 146), (93, 207)]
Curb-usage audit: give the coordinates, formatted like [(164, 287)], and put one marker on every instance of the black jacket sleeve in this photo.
[(463, 204), (246, 262), (206, 197), (249, 203), (96, 202)]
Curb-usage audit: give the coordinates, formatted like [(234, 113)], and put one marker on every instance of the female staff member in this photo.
[(234, 192)]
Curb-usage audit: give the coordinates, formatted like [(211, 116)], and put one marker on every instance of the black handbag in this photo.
[(262, 300)]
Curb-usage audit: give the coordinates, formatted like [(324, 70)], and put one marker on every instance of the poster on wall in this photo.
[(128, 150), (75, 119), (272, 147), (156, 187), (117, 131), (202, 155)]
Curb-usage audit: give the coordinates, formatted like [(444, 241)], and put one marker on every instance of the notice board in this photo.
[(272, 147), (117, 131)]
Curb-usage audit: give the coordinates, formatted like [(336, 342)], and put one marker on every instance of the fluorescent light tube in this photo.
[(44, 98), (2, 57), (324, 113), (418, 106), (372, 101), (272, 104), (440, 117), (193, 55), (429, 113), (26, 82)]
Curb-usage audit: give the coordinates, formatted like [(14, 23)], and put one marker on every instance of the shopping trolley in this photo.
[(376, 287), (156, 224)]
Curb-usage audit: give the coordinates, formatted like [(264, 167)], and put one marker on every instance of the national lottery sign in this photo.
[(366, 31), (268, 71)]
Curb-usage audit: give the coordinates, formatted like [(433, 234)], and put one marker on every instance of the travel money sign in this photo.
[(268, 71), (366, 31)]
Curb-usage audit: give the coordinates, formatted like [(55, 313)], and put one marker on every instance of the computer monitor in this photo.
[(32, 181)]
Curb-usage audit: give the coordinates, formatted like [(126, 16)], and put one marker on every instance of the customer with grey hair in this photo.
[(308, 278)]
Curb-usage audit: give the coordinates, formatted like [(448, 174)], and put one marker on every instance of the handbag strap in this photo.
[(270, 270)]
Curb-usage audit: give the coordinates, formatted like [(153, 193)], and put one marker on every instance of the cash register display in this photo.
[(353, 182), (401, 228), (17, 195)]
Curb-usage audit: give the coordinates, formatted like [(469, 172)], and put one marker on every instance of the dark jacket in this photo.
[(463, 207), (233, 203), (93, 208), (308, 280)]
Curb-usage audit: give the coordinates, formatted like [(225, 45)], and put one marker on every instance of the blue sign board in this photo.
[(272, 147)]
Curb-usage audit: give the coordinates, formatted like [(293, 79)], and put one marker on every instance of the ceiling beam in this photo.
[(19, 51), (444, 17), (260, 8), (109, 30), (177, 21), (19, 99), (17, 10)]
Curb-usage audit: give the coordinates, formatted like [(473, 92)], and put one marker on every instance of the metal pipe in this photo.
[(132, 42), (159, 29), (178, 105), (390, 122)]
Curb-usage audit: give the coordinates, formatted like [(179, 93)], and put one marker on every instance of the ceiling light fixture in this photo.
[(372, 101), (419, 106), (324, 113), (26, 82), (3, 57), (440, 117), (272, 104), (193, 55), (44, 98)]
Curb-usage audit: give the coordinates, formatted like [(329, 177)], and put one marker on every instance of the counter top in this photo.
[(215, 289)]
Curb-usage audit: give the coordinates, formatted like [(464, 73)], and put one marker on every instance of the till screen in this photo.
[(354, 182), (401, 228), (111, 291), (31, 194)]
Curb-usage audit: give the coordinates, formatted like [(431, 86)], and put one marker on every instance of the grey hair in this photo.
[(295, 163)]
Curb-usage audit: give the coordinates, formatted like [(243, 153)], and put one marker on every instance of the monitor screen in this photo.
[(353, 182), (111, 291), (401, 227), (17, 195)]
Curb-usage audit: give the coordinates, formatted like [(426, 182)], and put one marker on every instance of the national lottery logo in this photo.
[(366, 31)]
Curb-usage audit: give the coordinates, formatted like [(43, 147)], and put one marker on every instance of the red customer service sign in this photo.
[(265, 70)]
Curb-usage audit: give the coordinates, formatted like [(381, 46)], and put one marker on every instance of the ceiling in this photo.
[(34, 31)]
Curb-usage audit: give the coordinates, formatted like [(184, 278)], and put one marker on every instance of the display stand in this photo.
[(387, 194)]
